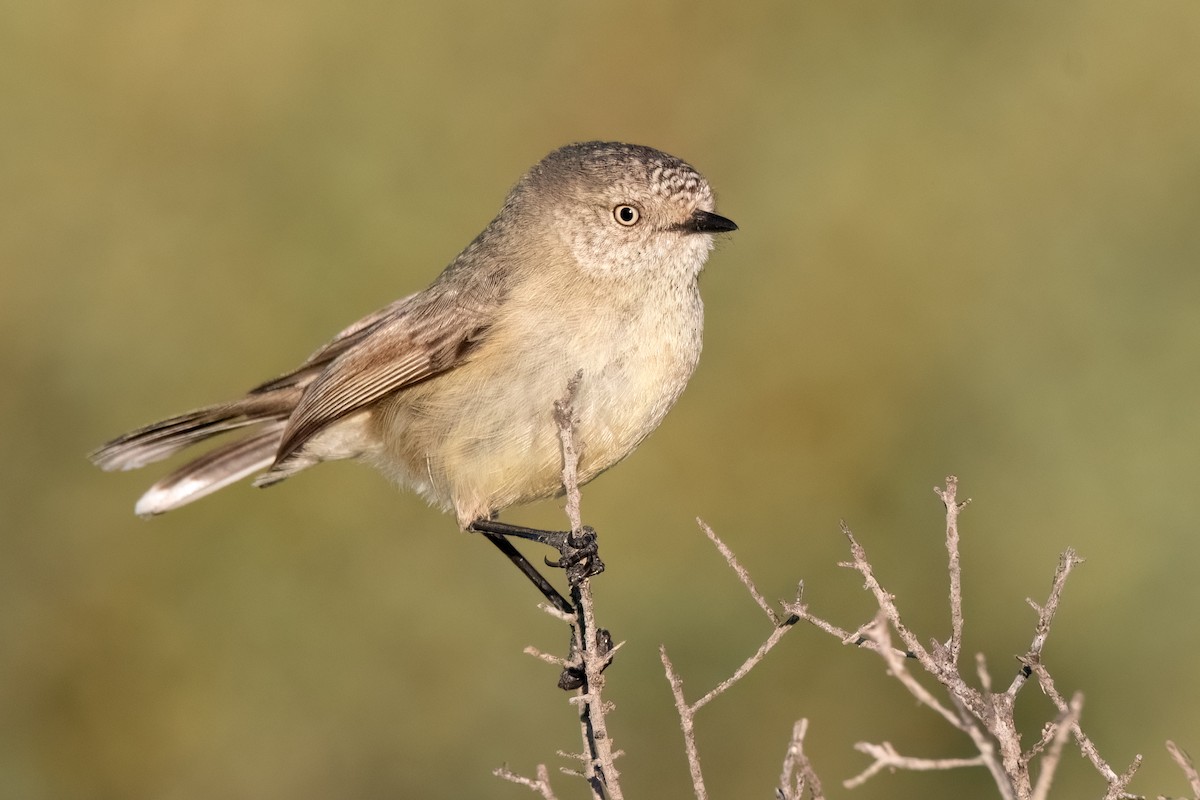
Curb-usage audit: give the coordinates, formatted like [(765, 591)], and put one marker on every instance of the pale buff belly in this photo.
[(481, 438)]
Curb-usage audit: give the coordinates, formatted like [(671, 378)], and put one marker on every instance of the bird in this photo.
[(590, 268)]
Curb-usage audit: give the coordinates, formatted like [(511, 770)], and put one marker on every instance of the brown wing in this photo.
[(339, 344), (411, 346)]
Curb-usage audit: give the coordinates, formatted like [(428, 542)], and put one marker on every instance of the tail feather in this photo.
[(162, 440), (214, 470), (166, 438), (221, 466)]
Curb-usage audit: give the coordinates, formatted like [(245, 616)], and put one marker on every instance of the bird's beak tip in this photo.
[(708, 222)]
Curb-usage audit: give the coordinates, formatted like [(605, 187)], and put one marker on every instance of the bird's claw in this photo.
[(573, 675), (578, 553)]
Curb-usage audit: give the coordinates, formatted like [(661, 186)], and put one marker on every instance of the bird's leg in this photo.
[(577, 555), (528, 570), (577, 550)]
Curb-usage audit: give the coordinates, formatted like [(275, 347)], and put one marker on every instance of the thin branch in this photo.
[(549, 658), (1032, 666), (985, 676), (686, 711), (1116, 790), (1066, 562), (749, 664), (944, 672), (884, 599), (1187, 765), (740, 571), (802, 614), (541, 784), (687, 722), (780, 629), (986, 717), (1049, 732), (594, 651), (879, 633), (1061, 730), (1116, 783), (564, 418), (886, 757), (955, 569), (798, 773)]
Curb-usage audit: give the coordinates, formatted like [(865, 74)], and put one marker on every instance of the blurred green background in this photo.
[(969, 245)]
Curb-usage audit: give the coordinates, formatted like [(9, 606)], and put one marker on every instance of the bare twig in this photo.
[(740, 571), (801, 612), (986, 717), (1066, 562), (1187, 765), (564, 418), (881, 635), (985, 676), (549, 658), (886, 757), (1032, 666), (1116, 782), (687, 722), (591, 649), (1060, 729), (541, 784), (798, 774), (600, 768), (747, 665), (956, 616), (687, 711)]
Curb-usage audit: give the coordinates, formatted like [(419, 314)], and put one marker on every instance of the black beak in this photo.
[(708, 222)]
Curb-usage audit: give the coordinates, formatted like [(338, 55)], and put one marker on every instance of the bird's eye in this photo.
[(626, 215)]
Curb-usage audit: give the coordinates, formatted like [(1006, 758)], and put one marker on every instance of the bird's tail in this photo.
[(215, 469)]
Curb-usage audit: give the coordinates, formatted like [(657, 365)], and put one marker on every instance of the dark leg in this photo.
[(576, 549), (577, 555), (538, 580)]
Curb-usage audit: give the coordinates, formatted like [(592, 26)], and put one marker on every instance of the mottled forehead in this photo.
[(632, 172), (678, 181)]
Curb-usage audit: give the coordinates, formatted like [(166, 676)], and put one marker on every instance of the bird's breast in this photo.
[(483, 436)]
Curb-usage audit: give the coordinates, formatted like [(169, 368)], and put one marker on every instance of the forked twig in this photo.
[(687, 711), (798, 774), (886, 757), (541, 784), (986, 717)]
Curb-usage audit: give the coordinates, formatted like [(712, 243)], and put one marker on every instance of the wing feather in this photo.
[(344, 341), (400, 352)]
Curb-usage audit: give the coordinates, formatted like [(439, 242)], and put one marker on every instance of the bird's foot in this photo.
[(578, 553), (573, 675), (577, 550)]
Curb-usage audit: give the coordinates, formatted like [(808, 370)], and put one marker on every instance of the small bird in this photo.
[(590, 267)]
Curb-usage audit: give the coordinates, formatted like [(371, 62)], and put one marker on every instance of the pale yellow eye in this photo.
[(626, 215)]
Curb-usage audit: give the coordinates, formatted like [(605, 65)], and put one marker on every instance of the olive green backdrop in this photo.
[(970, 238)]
